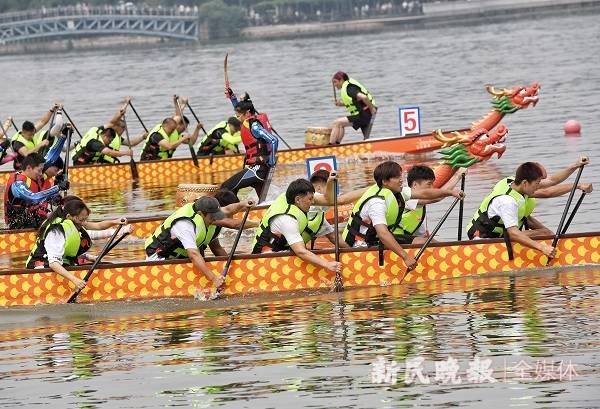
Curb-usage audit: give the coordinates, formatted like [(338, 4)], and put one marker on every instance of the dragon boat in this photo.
[(280, 272), (462, 149), (504, 101)]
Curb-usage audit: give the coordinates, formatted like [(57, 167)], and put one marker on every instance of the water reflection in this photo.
[(320, 347)]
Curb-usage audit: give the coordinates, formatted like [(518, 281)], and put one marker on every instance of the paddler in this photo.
[(164, 138), (223, 138), (508, 208), (192, 228), (25, 196), (358, 101), (284, 226), (412, 227), (379, 211), (95, 147), (32, 138), (260, 144), (5, 155), (63, 240)]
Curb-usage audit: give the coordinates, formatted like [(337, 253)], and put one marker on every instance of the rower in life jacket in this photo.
[(163, 139), (483, 226), (225, 136), (26, 194), (358, 101), (361, 229), (95, 147), (261, 145)]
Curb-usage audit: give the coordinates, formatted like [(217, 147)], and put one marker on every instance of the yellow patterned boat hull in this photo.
[(280, 273), (178, 168)]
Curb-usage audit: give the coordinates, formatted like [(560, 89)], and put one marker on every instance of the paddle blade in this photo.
[(134, 170)]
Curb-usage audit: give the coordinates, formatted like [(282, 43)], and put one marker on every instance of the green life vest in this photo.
[(115, 144), (483, 226), (18, 137), (411, 221), (152, 150), (81, 155), (165, 245), (77, 242), (264, 236), (347, 99), (315, 221), (393, 216), (212, 142)]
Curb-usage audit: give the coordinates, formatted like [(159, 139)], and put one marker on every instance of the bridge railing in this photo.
[(79, 10)]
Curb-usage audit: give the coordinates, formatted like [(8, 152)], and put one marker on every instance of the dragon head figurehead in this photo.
[(466, 149), (509, 100)]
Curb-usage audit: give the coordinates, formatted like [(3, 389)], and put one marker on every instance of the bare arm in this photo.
[(118, 115), (198, 261), (301, 251), (45, 118), (436, 194), (172, 146), (116, 154), (563, 174), (390, 243), (363, 98), (518, 236), (559, 190), (25, 151), (351, 197), (235, 224), (59, 269), (105, 224), (450, 184)]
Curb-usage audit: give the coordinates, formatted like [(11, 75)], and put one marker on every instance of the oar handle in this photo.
[(104, 251), (12, 121), (336, 220), (138, 116), (461, 208), (72, 123), (3, 130), (569, 200), (195, 116), (67, 157), (564, 230), (232, 253)]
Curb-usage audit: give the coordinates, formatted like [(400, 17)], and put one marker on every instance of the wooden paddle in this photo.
[(337, 284), (232, 253), (461, 208), (190, 143), (72, 123), (132, 165), (334, 93), (104, 251), (266, 185), (564, 230), (12, 121), (564, 214), (433, 233), (138, 117)]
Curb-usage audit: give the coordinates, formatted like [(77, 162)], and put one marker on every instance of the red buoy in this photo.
[(572, 128)]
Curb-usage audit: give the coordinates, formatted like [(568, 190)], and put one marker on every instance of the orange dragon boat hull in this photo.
[(286, 272), (173, 169)]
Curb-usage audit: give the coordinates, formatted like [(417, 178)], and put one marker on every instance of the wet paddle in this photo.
[(134, 170), (190, 144), (564, 214), (564, 230), (104, 251), (72, 123), (138, 117), (461, 208), (232, 253), (431, 236), (337, 284)]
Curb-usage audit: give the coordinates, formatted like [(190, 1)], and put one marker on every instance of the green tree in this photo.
[(223, 21)]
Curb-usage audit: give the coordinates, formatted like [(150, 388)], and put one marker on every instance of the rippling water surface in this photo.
[(318, 350)]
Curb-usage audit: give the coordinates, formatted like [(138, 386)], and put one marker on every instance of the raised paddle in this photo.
[(104, 251), (433, 233), (461, 208), (72, 123), (12, 121), (138, 116), (133, 166), (337, 284), (334, 93), (68, 151), (232, 253), (564, 230), (564, 215)]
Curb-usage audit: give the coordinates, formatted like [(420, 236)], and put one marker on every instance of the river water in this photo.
[(317, 351)]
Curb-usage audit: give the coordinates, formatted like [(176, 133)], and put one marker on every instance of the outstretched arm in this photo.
[(54, 152), (20, 190), (559, 190), (261, 133), (563, 174)]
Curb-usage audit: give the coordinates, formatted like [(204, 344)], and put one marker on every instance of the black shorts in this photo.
[(360, 120)]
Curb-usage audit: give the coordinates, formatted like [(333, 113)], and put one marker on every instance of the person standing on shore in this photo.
[(360, 104)]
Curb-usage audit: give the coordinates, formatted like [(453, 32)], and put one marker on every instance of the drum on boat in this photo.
[(189, 192), (316, 136)]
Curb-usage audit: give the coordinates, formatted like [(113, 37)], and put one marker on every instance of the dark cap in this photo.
[(340, 76), (209, 205)]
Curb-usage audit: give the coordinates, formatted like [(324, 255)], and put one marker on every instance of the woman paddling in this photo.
[(63, 240)]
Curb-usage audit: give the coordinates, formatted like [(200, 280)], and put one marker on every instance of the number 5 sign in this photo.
[(410, 120)]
